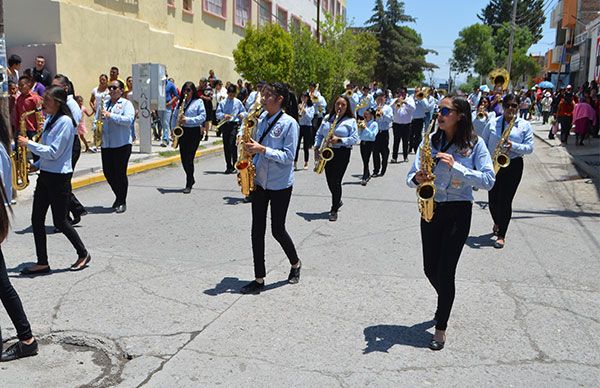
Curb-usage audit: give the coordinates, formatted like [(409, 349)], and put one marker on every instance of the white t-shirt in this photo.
[(100, 96)]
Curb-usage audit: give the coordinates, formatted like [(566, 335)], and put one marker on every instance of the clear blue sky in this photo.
[(439, 21)]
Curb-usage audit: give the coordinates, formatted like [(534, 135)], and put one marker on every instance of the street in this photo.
[(159, 306)]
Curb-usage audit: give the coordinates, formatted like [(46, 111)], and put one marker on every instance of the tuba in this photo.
[(500, 157), (244, 165), (20, 165), (500, 76), (325, 152), (178, 130), (426, 190)]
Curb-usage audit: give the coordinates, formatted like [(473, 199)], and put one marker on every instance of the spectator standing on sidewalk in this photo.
[(584, 118), (546, 104), (564, 116)]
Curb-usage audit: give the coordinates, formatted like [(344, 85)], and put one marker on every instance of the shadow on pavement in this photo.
[(234, 200), (207, 172), (314, 216), (482, 204), (99, 209), (351, 183), (49, 230), (231, 285), (22, 266), (484, 240), (162, 190), (381, 338), (560, 213)]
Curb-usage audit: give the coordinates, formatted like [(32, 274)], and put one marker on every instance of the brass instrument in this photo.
[(20, 164), (39, 117), (500, 76), (178, 130), (379, 112), (420, 95), (349, 93), (221, 123), (364, 102), (325, 152), (481, 113), (500, 157), (313, 95), (301, 109), (426, 190), (244, 165), (362, 124), (399, 102), (99, 125)]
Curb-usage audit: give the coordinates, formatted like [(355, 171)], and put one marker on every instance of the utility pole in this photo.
[(319, 21), (513, 27)]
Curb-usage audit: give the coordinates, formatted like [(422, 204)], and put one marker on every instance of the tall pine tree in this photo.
[(530, 15)]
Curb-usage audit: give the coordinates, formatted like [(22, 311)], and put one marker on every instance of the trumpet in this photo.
[(178, 130), (362, 124), (481, 114), (379, 112), (301, 109), (313, 95), (420, 95), (399, 102), (348, 93)]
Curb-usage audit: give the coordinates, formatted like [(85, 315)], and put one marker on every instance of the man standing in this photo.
[(416, 126), (230, 109), (403, 107), (114, 76), (27, 101), (40, 73), (171, 98), (14, 66)]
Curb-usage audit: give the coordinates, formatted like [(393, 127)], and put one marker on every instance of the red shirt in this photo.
[(24, 104), (565, 109)]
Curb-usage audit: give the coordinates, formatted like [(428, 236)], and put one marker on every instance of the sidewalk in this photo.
[(89, 167), (586, 158)]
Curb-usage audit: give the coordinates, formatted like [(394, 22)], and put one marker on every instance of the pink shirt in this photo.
[(81, 129)]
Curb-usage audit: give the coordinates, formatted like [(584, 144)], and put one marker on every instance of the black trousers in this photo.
[(502, 194), (566, 123), (114, 166), (366, 149), (381, 152), (401, 132), (416, 134), (280, 201), (306, 134), (545, 116), (443, 239), (229, 133), (316, 125), (75, 207), (53, 190), (334, 172), (188, 145), (12, 304)]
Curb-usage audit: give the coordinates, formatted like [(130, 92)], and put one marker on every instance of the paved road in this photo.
[(158, 306)]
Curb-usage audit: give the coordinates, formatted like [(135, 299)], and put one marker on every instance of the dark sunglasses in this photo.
[(514, 105), (113, 87), (445, 111), (187, 90)]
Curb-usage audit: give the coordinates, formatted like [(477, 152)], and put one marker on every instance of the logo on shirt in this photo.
[(278, 130), (456, 184)]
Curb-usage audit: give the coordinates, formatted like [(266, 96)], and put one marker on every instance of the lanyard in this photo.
[(266, 132)]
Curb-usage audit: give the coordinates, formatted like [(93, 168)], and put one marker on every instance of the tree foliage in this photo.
[(530, 15)]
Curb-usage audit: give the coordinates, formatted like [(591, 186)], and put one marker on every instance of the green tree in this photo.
[(474, 50), (307, 53), (522, 64), (266, 54), (530, 15)]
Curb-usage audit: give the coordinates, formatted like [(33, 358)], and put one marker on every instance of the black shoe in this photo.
[(294, 277), (363, 182), (375, 175), (81, 263), (28, 272), (333, 216), (393, 161), (436, 345), (247, 199), (551, 137), (114, 205), (20, 350), (405, 160), (206, 138), (121, 208), (76, 219), (340, 205), (187, 190), (253, 287)]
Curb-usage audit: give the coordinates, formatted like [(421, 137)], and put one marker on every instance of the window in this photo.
[(187, 5), (282, 18), (242, 12), (264, 12), (216, 7), (338, 9), (295, 20)]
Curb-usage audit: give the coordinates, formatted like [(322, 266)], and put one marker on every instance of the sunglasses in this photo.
[(187, 90), (113, 87), (445, 111), (514, 105)]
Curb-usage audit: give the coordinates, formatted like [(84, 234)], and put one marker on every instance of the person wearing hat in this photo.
[(546, 107)]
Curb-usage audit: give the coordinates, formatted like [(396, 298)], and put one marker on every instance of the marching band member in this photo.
[(352, 96), (403, 108), (229, 113), (344, 137), (306, 113), (381, 148), (462, 161), (320, 109), (118, 114), (194, 115), (367, 141), (418, 119), (53, 186), (273, 149), (367, 101), (481, 116), (253, 95), (432, 101), (519, 143)]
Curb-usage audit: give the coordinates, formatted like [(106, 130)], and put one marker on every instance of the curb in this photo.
[(91, 179)]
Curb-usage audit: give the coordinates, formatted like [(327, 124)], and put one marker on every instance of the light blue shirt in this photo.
[(117, 128), (74, 108), (371, 104), (354, 101), (321, 107), (6, 172), (195, 113), (307, 117), (370, 132), (479, 124), (385, 121), (346, 129), (521, 136), (421, 109), (275, 168), (251, 99), (56, 149), (472, 168), (230, 107), (404, 115)]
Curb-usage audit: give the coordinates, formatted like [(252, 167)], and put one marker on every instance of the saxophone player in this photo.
[(273, 148), (459, 161), (518, 144), (306, 113), (194, 115), (230, 110), (345, 135)]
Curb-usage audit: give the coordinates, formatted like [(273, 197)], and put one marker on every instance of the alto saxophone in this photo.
[(244, 165), (325, 152), (178, 130), (426, 190), (20, 165), (500, 157)]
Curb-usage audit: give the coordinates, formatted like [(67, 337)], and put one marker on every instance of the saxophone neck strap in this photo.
[(445, 147), (266, 132)]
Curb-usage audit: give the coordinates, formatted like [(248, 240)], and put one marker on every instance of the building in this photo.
[(84, 38)]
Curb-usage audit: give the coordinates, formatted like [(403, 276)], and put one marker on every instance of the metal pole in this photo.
[(319, 21), (513, 27)]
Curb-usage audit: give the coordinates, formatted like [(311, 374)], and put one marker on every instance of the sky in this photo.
[(439, 22)]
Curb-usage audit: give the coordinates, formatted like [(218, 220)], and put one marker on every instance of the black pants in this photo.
[(12, 304), (280, 200), (545, 116), (565, 122), (114, 166), (188, 145), (502, 194), (53, 190), (366, 149), (229, 132), (75, 207), (317, 121), (307, 136), (381, 152), (443, 239), (401, 132), (416, 133), (334, 172)]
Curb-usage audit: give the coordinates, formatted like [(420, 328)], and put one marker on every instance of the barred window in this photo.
[(216, 7), (264, 12)]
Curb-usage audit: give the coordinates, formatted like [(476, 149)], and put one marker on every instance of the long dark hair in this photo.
[(194, 92), (308, 99), (289, 103), (347, 113), (59, 95), (464, 137)]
